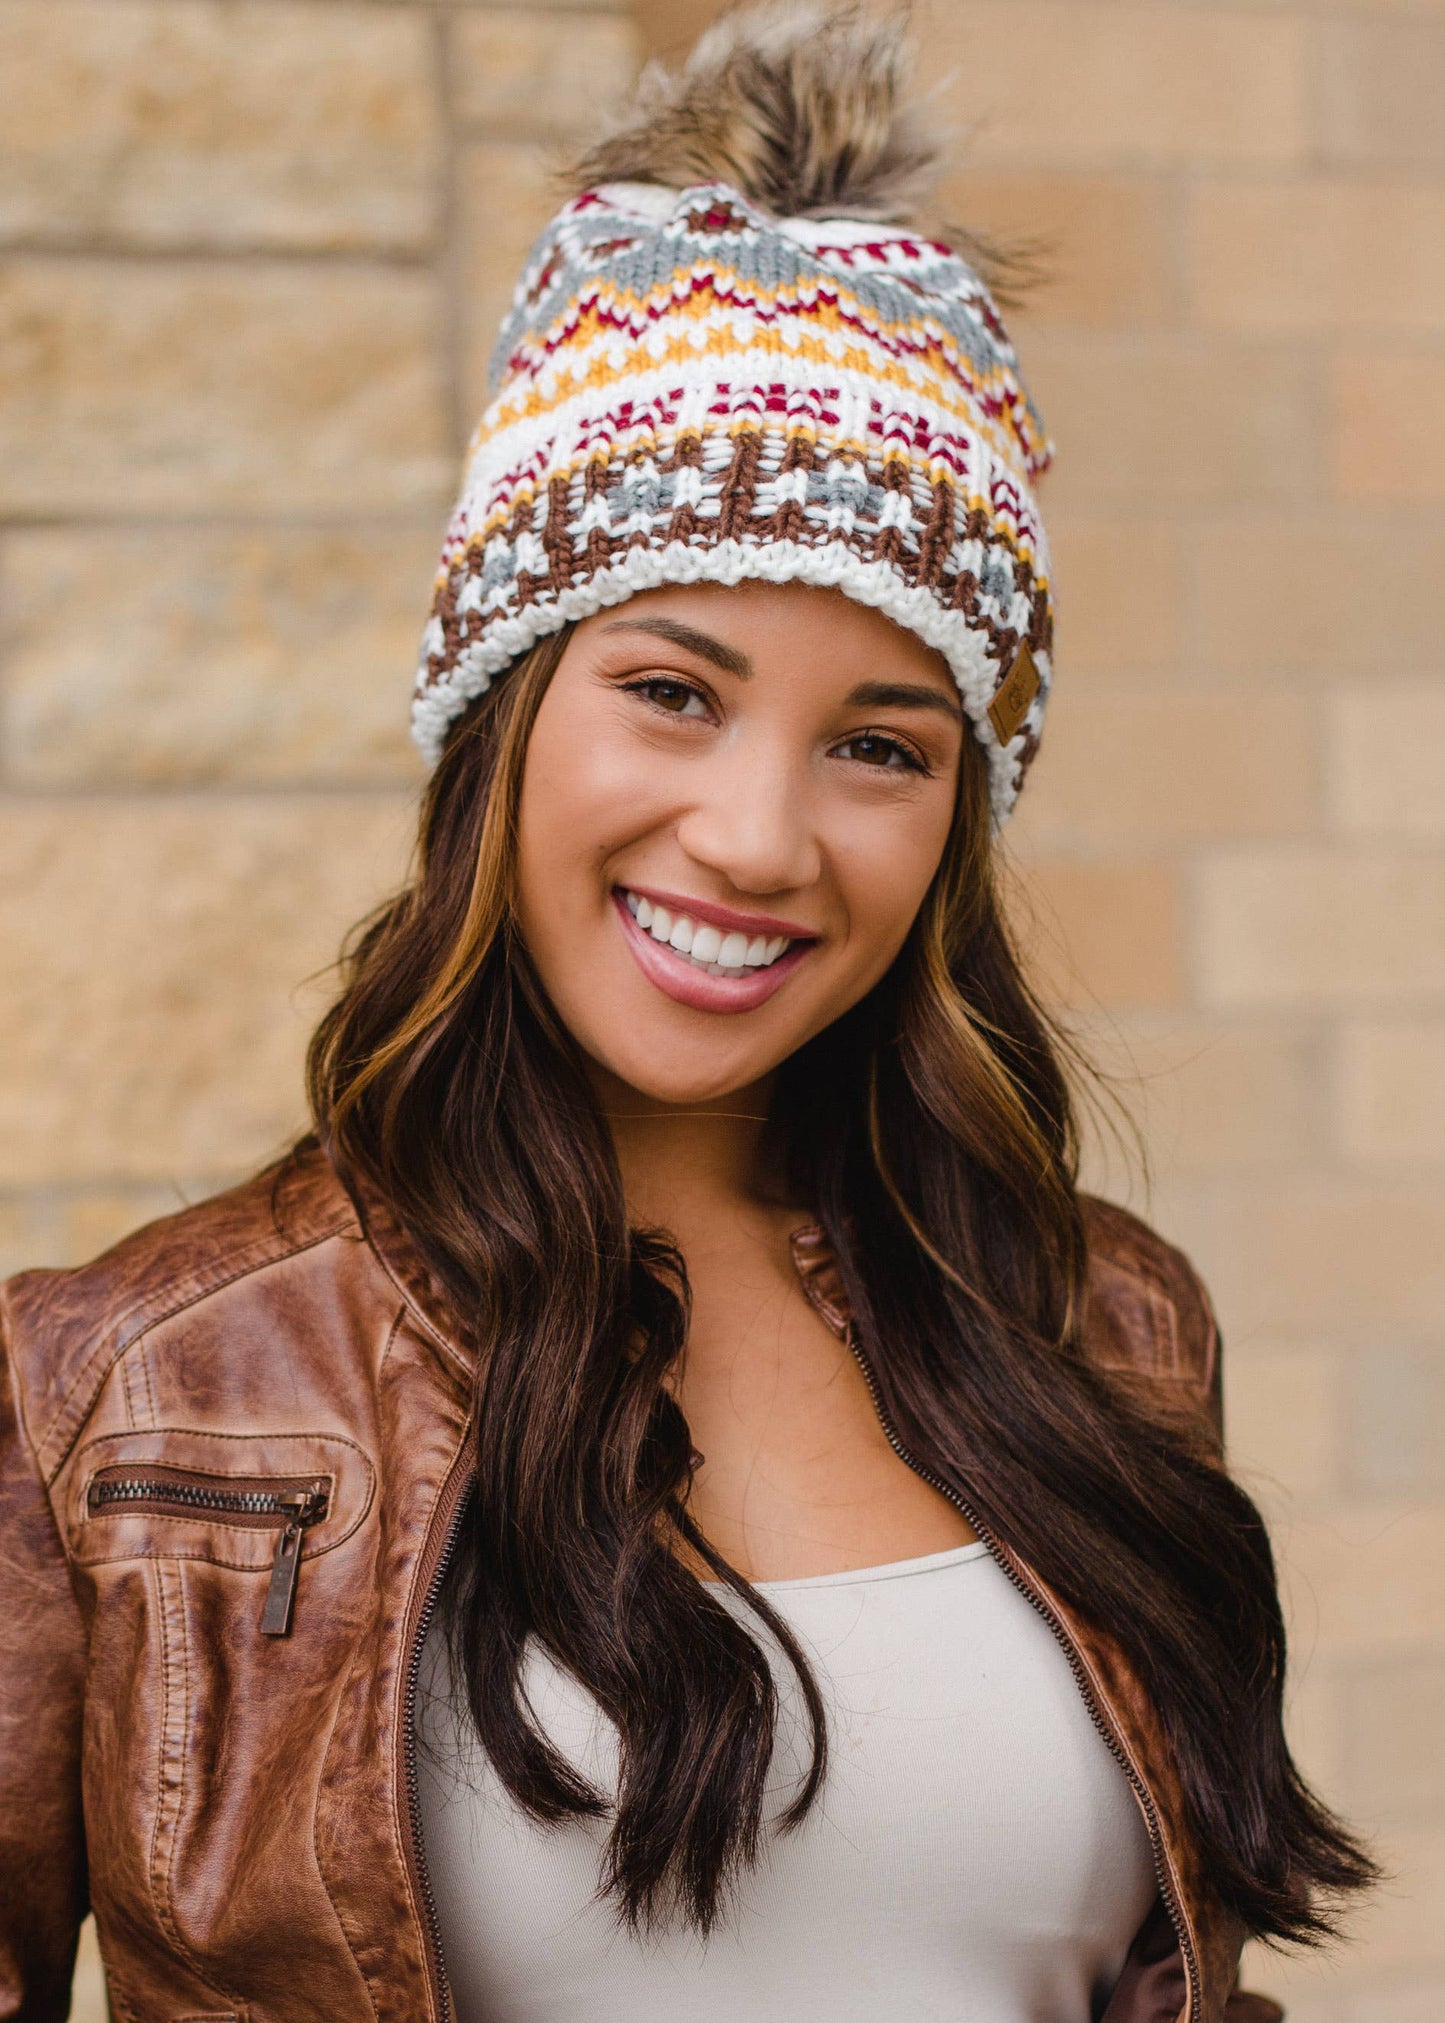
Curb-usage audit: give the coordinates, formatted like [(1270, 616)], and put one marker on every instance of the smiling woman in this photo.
[(670, 1500)]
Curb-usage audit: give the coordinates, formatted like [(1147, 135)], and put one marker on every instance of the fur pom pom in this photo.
[(800, 105)]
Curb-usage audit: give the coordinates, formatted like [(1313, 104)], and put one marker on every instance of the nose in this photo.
[(751, 821)]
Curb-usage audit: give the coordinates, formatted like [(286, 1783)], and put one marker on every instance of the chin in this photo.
[(684, 1081)]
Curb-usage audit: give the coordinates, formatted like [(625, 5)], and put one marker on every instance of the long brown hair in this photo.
[(930, 1130)]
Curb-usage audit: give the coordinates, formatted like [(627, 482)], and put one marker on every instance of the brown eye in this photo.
[(678, 698), (869, 749)]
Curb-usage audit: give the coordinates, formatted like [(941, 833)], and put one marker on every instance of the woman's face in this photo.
[(732, 806)]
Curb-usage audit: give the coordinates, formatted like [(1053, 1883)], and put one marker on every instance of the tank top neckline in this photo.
[(896, 1569)]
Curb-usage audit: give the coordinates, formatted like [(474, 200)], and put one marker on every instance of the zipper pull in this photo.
[(304, 1507)]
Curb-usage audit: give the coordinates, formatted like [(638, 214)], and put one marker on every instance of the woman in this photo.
[(671, 1502)]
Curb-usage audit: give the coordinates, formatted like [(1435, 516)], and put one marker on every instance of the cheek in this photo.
[(884, 869), (584, 796)]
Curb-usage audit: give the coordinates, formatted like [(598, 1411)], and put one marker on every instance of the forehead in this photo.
[(796, 625)]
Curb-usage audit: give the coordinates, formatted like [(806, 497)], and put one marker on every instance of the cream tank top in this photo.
[(976, 1852)]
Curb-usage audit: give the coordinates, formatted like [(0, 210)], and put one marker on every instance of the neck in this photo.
[(684, 1165)]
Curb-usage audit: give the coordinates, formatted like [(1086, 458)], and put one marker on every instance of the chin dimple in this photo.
[(708, 947)]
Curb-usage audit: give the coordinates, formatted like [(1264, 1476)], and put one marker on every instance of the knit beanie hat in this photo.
[(746, 376)]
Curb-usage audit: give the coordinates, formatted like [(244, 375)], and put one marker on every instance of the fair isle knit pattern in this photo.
[(689, 391)]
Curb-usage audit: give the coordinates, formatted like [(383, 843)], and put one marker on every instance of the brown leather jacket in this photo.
[(231, 1455)]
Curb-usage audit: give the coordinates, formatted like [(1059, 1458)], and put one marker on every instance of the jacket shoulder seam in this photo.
[(1162, 1289), (136, 1322)]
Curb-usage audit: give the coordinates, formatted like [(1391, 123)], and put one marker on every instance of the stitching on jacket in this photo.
[(1169, 1365), (414, 1307), (143, 1358), (132, 1410), (398, 1318), (161, 1884), (326, 1748), (253, 1263)]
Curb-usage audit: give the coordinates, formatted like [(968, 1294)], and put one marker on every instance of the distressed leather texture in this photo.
[(236, 1807)]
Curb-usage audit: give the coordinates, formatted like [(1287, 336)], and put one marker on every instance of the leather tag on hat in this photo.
[(1011, 705)]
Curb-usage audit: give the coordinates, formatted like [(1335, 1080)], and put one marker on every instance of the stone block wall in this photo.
[(252, 254)]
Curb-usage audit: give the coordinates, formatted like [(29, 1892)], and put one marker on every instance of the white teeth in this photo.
[(731, 954)]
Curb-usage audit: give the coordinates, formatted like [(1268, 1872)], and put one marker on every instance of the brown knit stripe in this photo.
[(799, 454), (888, 545), (556, 536), (686, 455), (937, 537), (740, 486)]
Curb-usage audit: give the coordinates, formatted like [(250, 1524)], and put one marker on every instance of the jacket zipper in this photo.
[(431, 1922), (295, 1503), (1116, 1748)]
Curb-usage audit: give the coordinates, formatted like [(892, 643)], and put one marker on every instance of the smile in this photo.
[(710, 949), (724, 964)]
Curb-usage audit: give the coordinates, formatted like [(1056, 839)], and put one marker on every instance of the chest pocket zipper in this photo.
[(259, 1503)]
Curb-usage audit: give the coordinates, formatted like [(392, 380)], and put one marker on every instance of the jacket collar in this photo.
[(425, 1297)]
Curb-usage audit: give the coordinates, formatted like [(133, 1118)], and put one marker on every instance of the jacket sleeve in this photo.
[(42, 1680)]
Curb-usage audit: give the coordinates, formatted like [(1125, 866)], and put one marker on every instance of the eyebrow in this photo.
[(903, 695), (866, 695), (730, 659)]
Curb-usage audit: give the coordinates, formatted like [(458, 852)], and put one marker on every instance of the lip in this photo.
[(684, 982), (722, 916)]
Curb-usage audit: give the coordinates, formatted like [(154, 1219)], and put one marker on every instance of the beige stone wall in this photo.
[(253, 253)]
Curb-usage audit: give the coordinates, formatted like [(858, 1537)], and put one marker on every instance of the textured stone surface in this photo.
[(1130, 761), (1390, 1090), (1102, 245), (1389, 424), (1142, 421), (152, 1018), (1321, 927), (515, 71), (1392, 1714), (188, 123), (193, 387), (1053, 82), (1121, 585), (1285, 1422), (1397, 1422), (1387, 760), (1364, 256), (1107, 934), (177, 656), (1379, 85), (1347, 1259), (1352, 594), (1210, 1096)]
